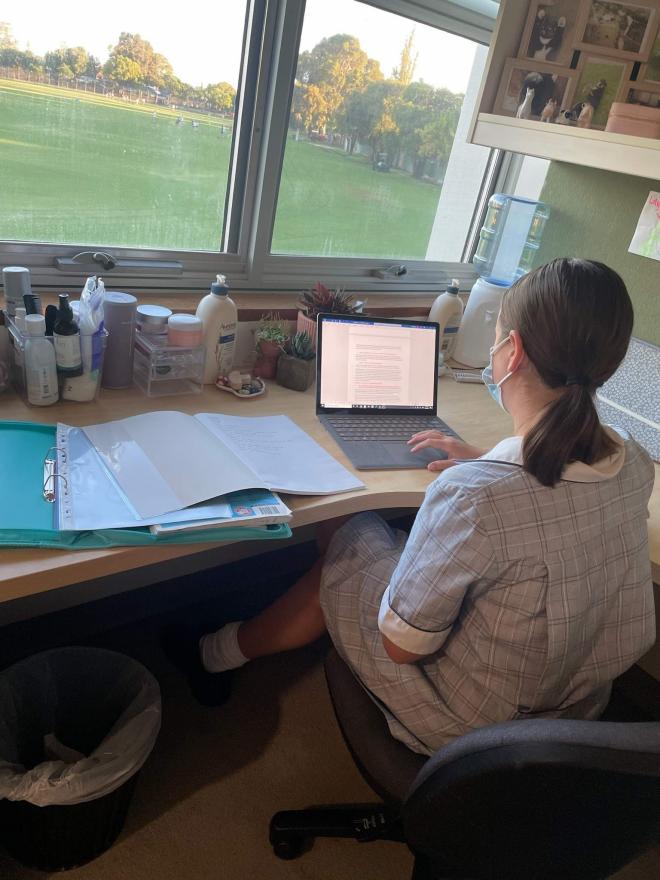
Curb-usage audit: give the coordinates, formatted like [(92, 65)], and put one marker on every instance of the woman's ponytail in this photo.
[(575, 319), (568, 430)]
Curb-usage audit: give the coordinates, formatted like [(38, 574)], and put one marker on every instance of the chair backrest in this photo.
[(539, 800)]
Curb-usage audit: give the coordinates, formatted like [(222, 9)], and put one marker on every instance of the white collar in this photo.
[(510, 451)]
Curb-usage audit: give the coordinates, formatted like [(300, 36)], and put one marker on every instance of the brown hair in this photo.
[(575, 319)]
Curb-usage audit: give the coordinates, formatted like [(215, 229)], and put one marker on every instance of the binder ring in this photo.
[(49, 493), (50, 475)]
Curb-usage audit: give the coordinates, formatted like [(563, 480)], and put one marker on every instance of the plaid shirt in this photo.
[(526, 600)]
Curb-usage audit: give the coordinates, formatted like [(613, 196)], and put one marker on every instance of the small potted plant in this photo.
[(296, 366), (270, 338), (321, 300)]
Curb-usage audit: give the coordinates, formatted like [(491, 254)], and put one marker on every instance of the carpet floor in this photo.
[(204, 799)]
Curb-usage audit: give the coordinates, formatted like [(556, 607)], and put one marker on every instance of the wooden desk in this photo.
[(30, 572)]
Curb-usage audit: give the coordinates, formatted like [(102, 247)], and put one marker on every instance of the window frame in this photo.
[(271, 43)]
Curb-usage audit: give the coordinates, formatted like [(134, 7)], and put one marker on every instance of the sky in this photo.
[(206, 46)]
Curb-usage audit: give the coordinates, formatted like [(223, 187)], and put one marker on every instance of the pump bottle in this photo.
[(447, 311), (218, 314)]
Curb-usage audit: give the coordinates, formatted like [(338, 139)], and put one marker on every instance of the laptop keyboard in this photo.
[(392, 428)]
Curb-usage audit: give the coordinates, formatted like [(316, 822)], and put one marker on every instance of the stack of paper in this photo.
[(157, 469), (252, 507)]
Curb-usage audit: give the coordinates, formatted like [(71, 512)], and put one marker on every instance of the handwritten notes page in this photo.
[(646, 240), (285, 458)]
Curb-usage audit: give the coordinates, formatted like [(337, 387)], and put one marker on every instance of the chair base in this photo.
[(290, 830)]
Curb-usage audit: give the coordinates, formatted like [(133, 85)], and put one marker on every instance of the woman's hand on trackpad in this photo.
[(455, 450)]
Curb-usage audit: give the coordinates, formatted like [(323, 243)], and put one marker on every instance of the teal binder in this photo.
[(26, 517)]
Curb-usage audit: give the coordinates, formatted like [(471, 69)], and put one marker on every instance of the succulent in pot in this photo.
[(270, 338), (296, 367)]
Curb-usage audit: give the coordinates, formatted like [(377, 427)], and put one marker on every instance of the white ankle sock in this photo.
[(219, 651)]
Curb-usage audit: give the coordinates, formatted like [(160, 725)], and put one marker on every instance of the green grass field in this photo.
[(84, 169)]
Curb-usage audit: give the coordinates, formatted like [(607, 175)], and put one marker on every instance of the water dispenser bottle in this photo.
[(508, 243), (510, 238)]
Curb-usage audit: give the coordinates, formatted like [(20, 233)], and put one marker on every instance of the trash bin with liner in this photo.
[(76, 726)]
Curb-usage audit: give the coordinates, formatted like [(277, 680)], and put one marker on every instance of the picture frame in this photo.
[(550, 31), (591, 71), (623, 29), (645, 94), (556, 82), (650, 71)]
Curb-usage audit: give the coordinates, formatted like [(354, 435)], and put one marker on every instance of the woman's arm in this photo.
[(397, 654)]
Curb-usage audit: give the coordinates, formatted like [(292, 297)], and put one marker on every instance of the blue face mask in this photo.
[(495, 388)]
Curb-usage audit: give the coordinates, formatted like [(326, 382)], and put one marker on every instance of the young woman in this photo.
[(524, 587)]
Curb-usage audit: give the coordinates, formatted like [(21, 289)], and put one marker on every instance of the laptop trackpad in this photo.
[(374, 456)]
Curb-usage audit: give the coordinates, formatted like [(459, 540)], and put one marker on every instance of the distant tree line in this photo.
[(132, 63), (340, 91)]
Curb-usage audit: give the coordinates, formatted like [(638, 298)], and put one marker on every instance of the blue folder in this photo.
[(26, 517)]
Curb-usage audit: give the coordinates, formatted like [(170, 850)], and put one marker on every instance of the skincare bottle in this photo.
[(447, 311), (19, 321), (67, 338), (4, 353), (40, 369), (32, 303), (16, 282), (219, 320)]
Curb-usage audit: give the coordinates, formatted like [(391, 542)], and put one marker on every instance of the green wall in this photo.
[(593, 215)]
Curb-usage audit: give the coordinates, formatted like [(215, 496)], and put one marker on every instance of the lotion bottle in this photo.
[(447, 311), (219, 320)]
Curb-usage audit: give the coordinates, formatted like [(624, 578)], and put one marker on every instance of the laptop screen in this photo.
[(370, 364)]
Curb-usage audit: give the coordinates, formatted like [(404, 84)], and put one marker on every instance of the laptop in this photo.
[(376, 386)]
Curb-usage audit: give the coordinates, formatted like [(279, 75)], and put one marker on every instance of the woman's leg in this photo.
[(293, 620)]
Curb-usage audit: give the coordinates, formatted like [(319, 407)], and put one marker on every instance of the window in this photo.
[(117, 131), (375, 108), (275, 140)]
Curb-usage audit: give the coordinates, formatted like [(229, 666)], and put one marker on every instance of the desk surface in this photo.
[(466, 407)]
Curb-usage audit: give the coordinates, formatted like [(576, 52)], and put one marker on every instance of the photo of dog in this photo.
[(618, 29)]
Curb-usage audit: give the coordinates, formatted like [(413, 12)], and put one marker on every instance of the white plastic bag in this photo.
[(99, 703)]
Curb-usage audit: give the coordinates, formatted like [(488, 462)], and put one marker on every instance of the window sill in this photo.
[(252, 304)]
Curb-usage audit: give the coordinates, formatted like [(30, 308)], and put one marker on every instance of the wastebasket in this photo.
[(76, 726)]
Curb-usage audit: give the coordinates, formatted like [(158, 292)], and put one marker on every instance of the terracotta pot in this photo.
[(268, 354), (307, 325)]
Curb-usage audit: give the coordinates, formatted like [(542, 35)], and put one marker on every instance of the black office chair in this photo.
[(525, 800)]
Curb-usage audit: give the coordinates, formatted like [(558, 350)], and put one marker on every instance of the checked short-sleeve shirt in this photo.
[(525, 601)]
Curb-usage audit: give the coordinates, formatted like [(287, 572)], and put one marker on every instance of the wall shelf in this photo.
[(564, 143), (596, 149)]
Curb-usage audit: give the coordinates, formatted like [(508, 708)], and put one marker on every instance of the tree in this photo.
[(154, 68), (18, 58), (422, 114), (333, 69), (314, 108), (123, 70), (405, 72), (367, 115), (7, 40), (437, 138), (92, 67), (75, 60), (220, 96)]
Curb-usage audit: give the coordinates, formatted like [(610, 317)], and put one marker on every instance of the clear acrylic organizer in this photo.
[(83, 388), (160, 369)]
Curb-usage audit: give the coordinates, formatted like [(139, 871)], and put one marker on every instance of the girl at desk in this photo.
[(524, 587)]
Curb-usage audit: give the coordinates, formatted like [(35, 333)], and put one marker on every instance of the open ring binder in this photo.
[(35, 477)]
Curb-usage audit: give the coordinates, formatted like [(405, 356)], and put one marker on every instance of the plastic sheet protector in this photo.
[(139, 471)]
